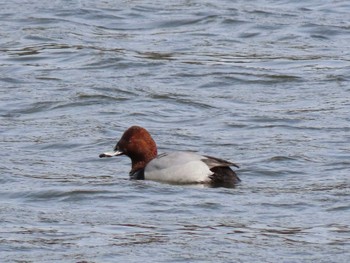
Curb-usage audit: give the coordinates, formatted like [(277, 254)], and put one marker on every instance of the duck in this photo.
[(177, 167)]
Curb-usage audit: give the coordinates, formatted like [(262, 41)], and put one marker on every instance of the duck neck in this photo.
[(139, 164)]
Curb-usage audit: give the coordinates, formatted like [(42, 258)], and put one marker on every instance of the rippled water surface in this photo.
[(261, 83)]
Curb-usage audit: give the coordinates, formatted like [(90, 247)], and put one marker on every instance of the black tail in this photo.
[(223, 177)]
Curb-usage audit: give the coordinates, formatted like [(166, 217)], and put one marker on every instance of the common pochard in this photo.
[(173, 167)]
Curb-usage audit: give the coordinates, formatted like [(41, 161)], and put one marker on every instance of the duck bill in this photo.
[(110, 154)]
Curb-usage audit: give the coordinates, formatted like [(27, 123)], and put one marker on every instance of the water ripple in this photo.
[(264, 84)]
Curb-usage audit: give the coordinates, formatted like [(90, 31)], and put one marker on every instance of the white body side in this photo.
[(178, 167)]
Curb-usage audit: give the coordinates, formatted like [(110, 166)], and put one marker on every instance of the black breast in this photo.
[(138, 175)]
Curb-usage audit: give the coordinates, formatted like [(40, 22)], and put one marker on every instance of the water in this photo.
[(262, 83)]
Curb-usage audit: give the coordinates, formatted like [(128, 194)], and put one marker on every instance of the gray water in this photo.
[(261, 83)]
